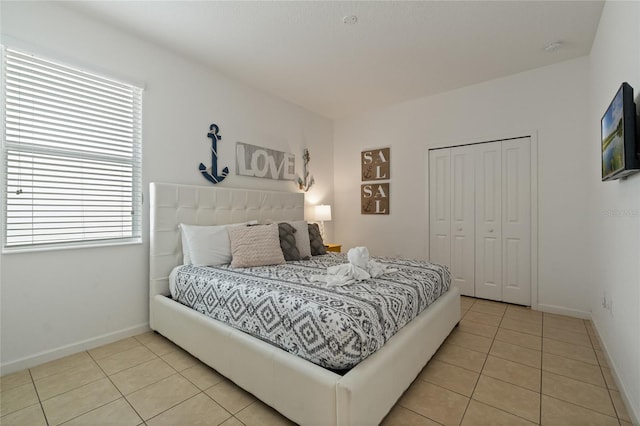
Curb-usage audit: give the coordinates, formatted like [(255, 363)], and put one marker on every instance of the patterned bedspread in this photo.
[(334, 327)]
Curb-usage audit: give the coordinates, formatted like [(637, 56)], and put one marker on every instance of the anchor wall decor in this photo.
[(211, 173)]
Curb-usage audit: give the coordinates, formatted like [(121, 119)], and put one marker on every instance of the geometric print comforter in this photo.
[(334, 327)]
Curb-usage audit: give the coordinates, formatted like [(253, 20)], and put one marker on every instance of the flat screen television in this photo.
[(619, 139)]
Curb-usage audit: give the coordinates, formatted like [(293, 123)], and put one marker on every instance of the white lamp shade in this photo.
[(323, 212)]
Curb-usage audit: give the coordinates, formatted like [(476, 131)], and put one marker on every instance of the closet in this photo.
[(480, 217)]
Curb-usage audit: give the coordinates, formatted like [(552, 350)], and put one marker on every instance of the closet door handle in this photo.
[(490, 229), (460, 228)]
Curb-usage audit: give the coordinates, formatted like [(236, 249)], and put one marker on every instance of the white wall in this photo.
[(615, 206), (552, 101), (58, 302)]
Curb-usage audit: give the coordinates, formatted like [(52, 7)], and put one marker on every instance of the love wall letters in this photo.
[(266, 163)]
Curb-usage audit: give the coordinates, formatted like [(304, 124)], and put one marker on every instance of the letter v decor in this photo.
[(211, 174)]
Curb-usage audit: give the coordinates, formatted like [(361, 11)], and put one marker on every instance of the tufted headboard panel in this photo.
[(173, 204)]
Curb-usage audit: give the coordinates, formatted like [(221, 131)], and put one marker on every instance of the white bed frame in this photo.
[(300, 390)]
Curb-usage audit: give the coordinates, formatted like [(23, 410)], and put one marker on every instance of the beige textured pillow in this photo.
[(255, 246)]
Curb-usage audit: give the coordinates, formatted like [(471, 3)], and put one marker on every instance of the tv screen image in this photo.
[(620, 156), (613, 137)]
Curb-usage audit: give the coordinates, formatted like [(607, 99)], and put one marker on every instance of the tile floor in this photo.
[(503, 365)]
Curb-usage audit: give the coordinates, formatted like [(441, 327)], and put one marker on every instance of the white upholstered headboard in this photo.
[(172, 204)]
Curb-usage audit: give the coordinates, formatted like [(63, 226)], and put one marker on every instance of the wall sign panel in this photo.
[(375, 164), (256, 161), (374, 198)]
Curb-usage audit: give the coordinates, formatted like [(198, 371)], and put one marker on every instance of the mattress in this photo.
[(334, 327)]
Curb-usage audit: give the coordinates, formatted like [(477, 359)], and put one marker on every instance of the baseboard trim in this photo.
[(561, 310), (73, 348), (632, 410)]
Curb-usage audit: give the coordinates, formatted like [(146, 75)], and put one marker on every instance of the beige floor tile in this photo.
[(198, 410), (462, 357), (565, 323), (521, 339), (400, 416), (482, 318), (56, 384), (157, 343), (14, 380), (145, 374), (450, 377), (470, 341), (259, 414), (160, 396), (180, 359), (116, 413), (618, 403), (523, 316), (507, 397), (434, 402), (608, 378), (467, 326), (522, 326), (479, 414), (79, 401), (595, 342), (567, 336), (556, 412), (483, 308), (114, 348), (514, 373), (231, 397), (465, 303), (523, 311), (31, 416), (125, 359), (61, 365), (602, 358), (232, 422), (202, 376), (574, 369), (568, 350), (17, 398), (576, 392), (515, 353)]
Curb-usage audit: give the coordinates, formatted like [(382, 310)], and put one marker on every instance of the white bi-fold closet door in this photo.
[(480, 217)]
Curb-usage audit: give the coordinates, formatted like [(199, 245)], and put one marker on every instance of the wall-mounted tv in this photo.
[(620, 156)]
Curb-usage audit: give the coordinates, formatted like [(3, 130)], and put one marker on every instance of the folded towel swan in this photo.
[(359, 268)]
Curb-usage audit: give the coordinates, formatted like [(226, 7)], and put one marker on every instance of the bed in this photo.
[(299, 389)]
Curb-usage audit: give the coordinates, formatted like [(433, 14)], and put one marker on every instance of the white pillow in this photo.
[(207, 245), (302, 238)]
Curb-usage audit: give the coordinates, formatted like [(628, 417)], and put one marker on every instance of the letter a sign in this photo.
[(374, 196), (375, 164)]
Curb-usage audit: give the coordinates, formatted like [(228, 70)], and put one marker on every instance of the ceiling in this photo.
[(302, 51)]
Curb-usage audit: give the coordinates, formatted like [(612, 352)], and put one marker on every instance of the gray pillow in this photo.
[(315, 240), (288, 242)]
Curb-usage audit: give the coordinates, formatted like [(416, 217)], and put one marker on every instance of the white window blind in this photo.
[(71, 152)]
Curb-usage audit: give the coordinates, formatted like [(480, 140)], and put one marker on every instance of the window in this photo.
[(71, 155)]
